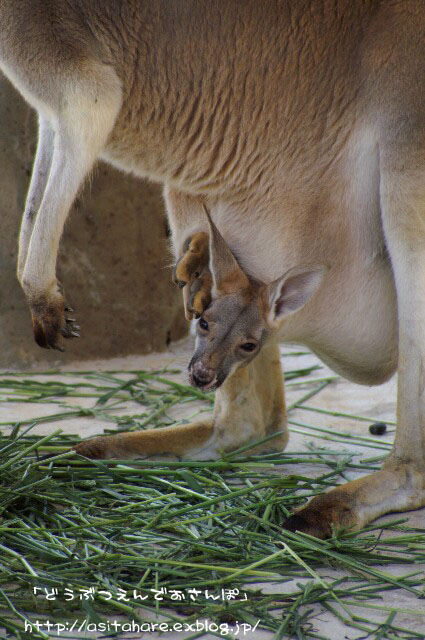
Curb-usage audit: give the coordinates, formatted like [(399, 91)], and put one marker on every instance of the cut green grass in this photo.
[(200, 529)]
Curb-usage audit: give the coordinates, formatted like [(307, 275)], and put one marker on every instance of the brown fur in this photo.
[(300, 123)]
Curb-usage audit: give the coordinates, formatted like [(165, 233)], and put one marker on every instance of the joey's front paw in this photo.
[(192, 274), (199, 294)]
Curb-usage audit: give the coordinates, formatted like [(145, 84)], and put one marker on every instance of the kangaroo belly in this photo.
[(352, 324)]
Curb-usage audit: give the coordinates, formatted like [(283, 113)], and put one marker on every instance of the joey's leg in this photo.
[(249, 406), (81, 131), (400, 485), (191, 273), (39, 176), (175, 440)]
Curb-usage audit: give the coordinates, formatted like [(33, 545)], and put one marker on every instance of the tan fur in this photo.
[(300, 124)]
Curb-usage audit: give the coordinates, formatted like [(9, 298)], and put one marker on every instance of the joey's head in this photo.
[(243, 314)]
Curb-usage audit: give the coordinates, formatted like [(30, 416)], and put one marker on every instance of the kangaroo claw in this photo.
[(192, 269)]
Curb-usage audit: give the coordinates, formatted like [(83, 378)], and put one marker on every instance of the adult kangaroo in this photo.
[(301, 125)]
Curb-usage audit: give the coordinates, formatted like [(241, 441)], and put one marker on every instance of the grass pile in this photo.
[(95, 541)]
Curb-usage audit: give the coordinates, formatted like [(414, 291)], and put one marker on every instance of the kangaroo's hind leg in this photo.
[(39, 177), (82, 125), (400, 484)]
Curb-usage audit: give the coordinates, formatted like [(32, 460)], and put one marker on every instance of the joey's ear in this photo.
[(293, 290), (227, 275)]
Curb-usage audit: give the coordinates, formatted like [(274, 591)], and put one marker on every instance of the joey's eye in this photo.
[(203, 324), (248, 346)]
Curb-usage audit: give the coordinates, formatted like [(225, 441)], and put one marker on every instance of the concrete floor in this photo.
[(377, 403)]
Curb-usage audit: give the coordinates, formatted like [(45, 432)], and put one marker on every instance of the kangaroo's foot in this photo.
[(323, 514), (51, 320), (398, 487), (191, 272)]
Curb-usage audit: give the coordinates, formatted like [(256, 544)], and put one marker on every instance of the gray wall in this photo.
[(112, 265)]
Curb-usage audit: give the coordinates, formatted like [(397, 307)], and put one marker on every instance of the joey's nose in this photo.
[(200, 375)]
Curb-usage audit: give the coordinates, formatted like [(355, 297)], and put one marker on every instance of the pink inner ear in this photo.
[(296, 291), (290, 299)]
